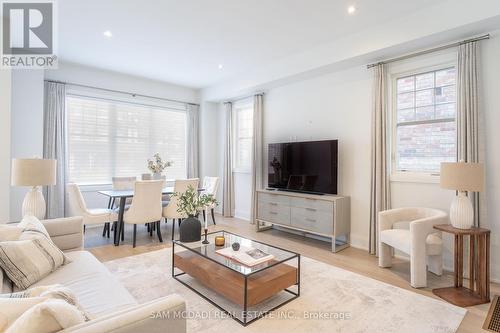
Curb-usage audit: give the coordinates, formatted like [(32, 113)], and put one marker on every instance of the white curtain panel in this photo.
[(54, 145), (469, 139), (193, 120), (227, 179), (380, 197), (257, 149)]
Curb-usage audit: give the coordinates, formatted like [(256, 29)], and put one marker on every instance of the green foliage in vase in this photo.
[(157, 165), (190, 203)]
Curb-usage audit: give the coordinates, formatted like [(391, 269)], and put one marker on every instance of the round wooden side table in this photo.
[(478, 291)]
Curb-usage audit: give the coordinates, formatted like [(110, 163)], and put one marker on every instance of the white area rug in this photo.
[(364, 304)]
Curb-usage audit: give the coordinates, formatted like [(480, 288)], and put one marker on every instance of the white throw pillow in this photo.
[(5, 284), (49, 316), (13, 305), (32, 225), (14, 308), (54, 291), (32, 257), (10, 232)]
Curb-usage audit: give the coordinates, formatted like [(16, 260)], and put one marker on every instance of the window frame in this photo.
[(238, 107), (410, 176), (119, 98)]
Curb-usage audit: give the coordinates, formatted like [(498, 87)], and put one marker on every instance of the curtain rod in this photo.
[(239, 98), (122, 92), (435, 49)]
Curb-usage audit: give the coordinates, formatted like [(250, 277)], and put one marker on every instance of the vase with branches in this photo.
[(189, 203), (156, 165)]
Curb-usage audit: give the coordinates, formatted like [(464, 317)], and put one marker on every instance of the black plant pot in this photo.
[(190, 230)]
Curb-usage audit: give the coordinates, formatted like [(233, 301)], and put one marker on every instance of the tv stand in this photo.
[(309, 214)]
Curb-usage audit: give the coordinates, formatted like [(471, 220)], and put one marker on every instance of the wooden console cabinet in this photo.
[(323, 215)]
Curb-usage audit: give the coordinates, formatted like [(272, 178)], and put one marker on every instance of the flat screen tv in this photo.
[(303, 166)]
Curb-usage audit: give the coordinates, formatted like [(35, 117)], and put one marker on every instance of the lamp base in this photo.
[(461, 212), (34, 203)]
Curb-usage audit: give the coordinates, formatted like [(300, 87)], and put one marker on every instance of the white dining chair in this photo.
[(170, 211), (122, 184), (210, 186), (119, 184), (77, 207), (165, 198), (145, 207)]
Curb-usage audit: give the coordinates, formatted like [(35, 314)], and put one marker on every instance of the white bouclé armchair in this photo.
[(410, 230)]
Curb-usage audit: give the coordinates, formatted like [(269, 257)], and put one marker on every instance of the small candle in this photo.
[(220, 241)]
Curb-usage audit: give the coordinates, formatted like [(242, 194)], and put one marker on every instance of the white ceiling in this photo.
[(184, 41)]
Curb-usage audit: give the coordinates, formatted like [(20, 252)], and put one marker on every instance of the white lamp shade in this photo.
[(462, 176), (33, 172)]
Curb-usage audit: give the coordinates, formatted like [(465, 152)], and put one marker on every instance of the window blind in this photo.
[(109, 138)]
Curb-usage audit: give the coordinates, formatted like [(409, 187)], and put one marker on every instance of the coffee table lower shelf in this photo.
[(238, 290)]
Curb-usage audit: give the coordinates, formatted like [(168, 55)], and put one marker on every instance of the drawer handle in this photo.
[(273, 204), (274, 213), (311, 209), (311, 220), (311, 199)]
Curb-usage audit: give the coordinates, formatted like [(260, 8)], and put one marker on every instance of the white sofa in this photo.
[(111, 307)]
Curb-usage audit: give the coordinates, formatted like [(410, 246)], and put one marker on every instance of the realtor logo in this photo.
[(28, 34)]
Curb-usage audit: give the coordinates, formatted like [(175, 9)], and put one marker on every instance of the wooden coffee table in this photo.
[(245, 293)]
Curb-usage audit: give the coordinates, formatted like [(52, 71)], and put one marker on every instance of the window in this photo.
[(108, 138), (425, 127), (243, 136)]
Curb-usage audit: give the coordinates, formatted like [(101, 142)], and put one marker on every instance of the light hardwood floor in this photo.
[(352, 259)]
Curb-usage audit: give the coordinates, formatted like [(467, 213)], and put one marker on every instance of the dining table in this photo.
[(123, 195)]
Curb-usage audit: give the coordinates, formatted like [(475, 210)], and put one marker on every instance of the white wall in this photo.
[(210, 149), (490, 104), (26, 126), (208, 139), (98, 78), (5, 114), (332, 106)]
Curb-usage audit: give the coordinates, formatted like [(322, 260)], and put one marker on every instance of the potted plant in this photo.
[(156, 165), (189, 203)]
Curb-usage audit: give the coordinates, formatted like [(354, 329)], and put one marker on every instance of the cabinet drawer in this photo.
[(276, 198), (273, 212), (321, 205), (313, 220)]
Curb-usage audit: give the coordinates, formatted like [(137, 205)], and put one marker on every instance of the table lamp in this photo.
[(462, 177), (33, 172)]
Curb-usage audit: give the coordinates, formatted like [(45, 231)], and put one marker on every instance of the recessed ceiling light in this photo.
[(220, 66), (351, 9), (107, 33)]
